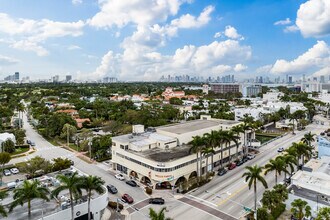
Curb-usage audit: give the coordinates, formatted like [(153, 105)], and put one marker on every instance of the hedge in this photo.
[(113, 205), (278, 211)]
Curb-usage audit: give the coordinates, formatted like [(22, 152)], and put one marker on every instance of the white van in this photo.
[(11, 185)]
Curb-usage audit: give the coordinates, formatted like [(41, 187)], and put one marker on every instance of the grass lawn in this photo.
[(264, 138), (20, 151)]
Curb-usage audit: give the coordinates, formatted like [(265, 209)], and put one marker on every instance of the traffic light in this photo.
[(247, 209)]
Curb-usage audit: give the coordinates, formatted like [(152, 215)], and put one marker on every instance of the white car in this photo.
[(14, 170), (281, 149), (6, 172), (250, 156), (119, 176)]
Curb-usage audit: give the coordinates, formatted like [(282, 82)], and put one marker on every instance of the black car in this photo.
[(245, 159), (131, 183), (239, 163), (160, 201), (222, 172), (112, 189)]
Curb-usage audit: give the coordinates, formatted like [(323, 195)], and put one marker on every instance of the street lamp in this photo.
[(317, 200)]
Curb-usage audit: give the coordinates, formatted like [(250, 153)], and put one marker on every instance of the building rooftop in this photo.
[(162, 155), (191, 126), (308, 194), (142, 138)]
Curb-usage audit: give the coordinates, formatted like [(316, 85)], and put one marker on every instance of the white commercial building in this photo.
[(272, 96), (251, 90), (312, 184), (162, 154), (256, 113)]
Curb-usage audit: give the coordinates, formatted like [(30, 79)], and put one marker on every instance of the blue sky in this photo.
[(145, 39)]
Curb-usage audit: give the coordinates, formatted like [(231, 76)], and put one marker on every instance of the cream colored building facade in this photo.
[(161, 154)]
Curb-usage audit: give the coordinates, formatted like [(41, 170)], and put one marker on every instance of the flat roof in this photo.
[(307, 194), (142, 138), (162, 155), (191, 126)]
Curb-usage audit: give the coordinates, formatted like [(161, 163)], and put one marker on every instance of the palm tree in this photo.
[(289, 161), (206, 151), (228, 138), (308, 139), (221, 141), (245, 127), (3, 212), (20, 108), (211, 139), (323, 213), (303, 150), (92, 183), (300, 209), (28, 191), (253, 175), (197, 143), (158, 216), (278, 165), (72, 183), (237, 130)]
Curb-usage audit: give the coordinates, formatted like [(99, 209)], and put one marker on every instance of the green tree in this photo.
[(302, 150), (207, 151), (61, 163), (229, 137), (323, 213), (197, 144), (175, 101), (263, 214), (289, 161), (72, 183), (253, 175), (237, 130), (211, 140), (308, 139), (28, 191), (68, 131), (278, 166), (300, 209), (3, 212), (8, 146), (90, 184), (34, 164), (19, 136), (4, 158), (153, 215)]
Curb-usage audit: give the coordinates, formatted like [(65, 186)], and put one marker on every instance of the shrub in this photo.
[(278, 211), (148, 190), (113, 205)]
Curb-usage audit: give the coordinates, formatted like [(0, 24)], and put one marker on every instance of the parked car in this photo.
[(250, 156), (120, 176), (6, 172), (112, 189), (160, 201), (14, 170), (32, 143), (280, 149), (240, 162), (245, 159), (131, 183), (222, 171), (127, 198), (231, 166), (28, 141)]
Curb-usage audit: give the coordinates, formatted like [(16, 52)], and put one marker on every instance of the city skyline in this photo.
[(147, 39)]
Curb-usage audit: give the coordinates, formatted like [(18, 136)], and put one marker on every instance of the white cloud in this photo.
[(4, 60), (240, 67), (283, 22), (140, 12), (291, 28), (189, 21), (315, 58), (264, 69), (30, 33), (313, 18), (76, 2), (27, 45), (217, 35), (231, 33), (322, 72), (145, 64), (74, 47)]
